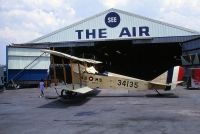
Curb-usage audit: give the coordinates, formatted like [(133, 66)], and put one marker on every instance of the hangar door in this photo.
[(144, 61)]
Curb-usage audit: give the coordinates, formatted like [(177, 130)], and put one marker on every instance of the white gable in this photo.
[(115, 24)]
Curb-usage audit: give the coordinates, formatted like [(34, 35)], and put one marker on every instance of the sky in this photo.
[(24, 20)]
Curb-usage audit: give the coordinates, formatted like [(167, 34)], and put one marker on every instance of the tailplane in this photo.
[(171, 78)]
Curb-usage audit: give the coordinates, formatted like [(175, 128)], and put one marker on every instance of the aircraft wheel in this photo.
[(66, 94), (71, 94)]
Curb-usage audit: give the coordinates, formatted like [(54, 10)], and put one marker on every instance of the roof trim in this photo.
[(159, 22), (67, 27), (120, 11)]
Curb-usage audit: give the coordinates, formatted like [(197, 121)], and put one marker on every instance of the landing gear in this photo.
[(163, 95), (67, 94), (158, 92)]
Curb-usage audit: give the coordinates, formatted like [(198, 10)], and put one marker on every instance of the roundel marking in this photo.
[(91, 78)]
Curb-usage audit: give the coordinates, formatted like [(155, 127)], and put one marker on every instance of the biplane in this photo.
[(83, 72)]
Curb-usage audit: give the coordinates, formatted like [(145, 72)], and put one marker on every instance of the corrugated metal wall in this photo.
[(191, 47), (27, 64), (191, 55), (1, 76), (128, 20), (19, 58)]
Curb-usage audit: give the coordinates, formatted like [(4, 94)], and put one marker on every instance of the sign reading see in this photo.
[(112, 19)]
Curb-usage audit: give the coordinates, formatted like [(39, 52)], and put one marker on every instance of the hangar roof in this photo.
[(114, 24)]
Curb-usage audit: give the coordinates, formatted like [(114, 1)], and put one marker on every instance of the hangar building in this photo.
[(126, 43)]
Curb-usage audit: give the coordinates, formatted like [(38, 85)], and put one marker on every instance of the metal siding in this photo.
[(22, 62), (191, 52), (6, 63), (1, 76), (27, 75), (157, 29), (13, 51), (191, 47), (19, 58), (57, 44)]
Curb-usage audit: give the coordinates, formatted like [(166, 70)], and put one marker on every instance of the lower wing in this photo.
[(82, 90)]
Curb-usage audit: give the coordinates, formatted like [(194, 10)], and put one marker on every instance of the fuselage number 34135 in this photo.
[(127, 83)]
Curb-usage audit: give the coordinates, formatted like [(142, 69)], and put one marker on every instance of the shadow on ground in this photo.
[(163, 95), (142, 95), (61, 103), (192, 88), (70, 102)]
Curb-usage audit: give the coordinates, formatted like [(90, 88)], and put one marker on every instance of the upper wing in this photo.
[(70, 56)]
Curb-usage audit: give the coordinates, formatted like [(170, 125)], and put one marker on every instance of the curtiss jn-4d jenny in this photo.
[(89, 78)]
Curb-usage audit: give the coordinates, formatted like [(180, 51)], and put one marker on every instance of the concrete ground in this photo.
[(100, 112)]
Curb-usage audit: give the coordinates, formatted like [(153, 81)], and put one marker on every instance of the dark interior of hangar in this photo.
[(144, 61)]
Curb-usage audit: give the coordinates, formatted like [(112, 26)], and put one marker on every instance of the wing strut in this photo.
[(54, 70), (79, 70), (72, 73), (64, 71), (85, 65)]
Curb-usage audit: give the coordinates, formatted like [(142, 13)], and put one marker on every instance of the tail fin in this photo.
[(171, 77)]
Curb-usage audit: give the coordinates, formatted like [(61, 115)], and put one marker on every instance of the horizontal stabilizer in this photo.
[(156, 85), (82, 90), (175, 83)]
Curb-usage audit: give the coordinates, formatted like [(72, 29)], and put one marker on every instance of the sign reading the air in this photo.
[(112, 21)]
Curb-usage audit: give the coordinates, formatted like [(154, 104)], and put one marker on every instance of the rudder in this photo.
[(172, 77)]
